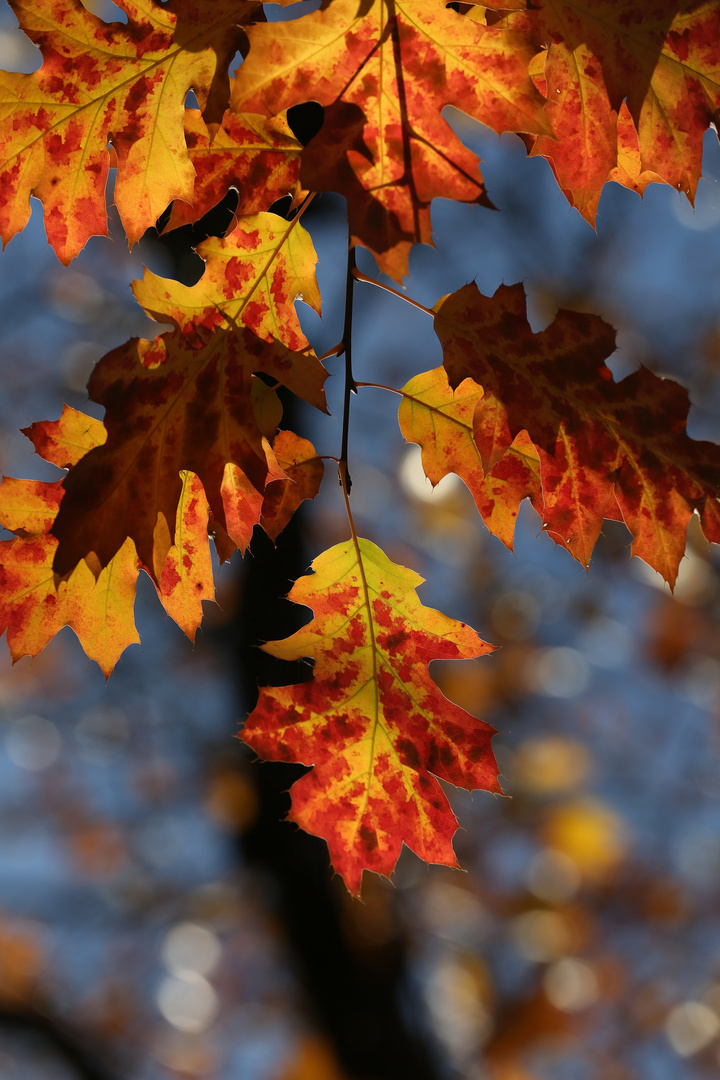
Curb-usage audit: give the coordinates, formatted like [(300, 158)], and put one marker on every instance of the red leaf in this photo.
[(598, 440), (371, 720)]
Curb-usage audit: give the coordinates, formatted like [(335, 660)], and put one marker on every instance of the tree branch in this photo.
[(350, 387)]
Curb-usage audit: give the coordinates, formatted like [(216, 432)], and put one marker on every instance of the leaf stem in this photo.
[(380, 386), (344, 480), (304, 205), (359, 276), (350, 387), (335, 351)]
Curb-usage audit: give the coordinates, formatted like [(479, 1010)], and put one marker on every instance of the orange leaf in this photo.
[(187, 577), (602, 444), (184, 401), (252, 277), (64, 441), (34, 608), (29, 507), (35, 604), (371, 720), (662, 57), (629, 171), (442, 422), (106, 83), (259, 157), (299, 461), (384, 71)]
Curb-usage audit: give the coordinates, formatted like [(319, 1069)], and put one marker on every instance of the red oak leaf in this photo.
[(449, 425), (104, 83), (184, 401), (660, 57), (602, 444), (371, 720), (385, 70)]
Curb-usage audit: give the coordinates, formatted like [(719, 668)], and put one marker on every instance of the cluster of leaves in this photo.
[(191, 443)]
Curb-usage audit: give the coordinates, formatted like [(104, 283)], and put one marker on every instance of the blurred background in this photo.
[(157, 918)]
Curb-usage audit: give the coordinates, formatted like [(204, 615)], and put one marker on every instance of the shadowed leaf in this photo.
[(171, 406), (602, 444), (185, 401), (299, 461)]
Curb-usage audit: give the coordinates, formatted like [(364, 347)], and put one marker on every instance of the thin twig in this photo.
[(381, 386), (359, 276)]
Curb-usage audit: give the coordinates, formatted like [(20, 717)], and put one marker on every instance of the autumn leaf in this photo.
[(34, 609), (602, 444), (304, 470), (300, 473), (183, 402), (259, 157), (170, 408), (629, 171), (444, 422), (187, 576), (384, 71), (64, 441), (35, 604), (371, 721), (104, 83), (252, 277), (662, 57)]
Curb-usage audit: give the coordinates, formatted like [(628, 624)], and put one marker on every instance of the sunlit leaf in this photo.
[(371, 720)]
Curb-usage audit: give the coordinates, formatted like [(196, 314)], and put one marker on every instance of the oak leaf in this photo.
[(35, 604), (183, 402), (304, 470), (443, 423), (629, 171), (260, 157), (170, 408), (371, 721), (384, 71), (104, 83), (606, 449), (662, 58), (187, 575), (252, 277)]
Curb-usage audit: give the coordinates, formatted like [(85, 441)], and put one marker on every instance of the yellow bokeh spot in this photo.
[(549, 766), (590, 834)]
